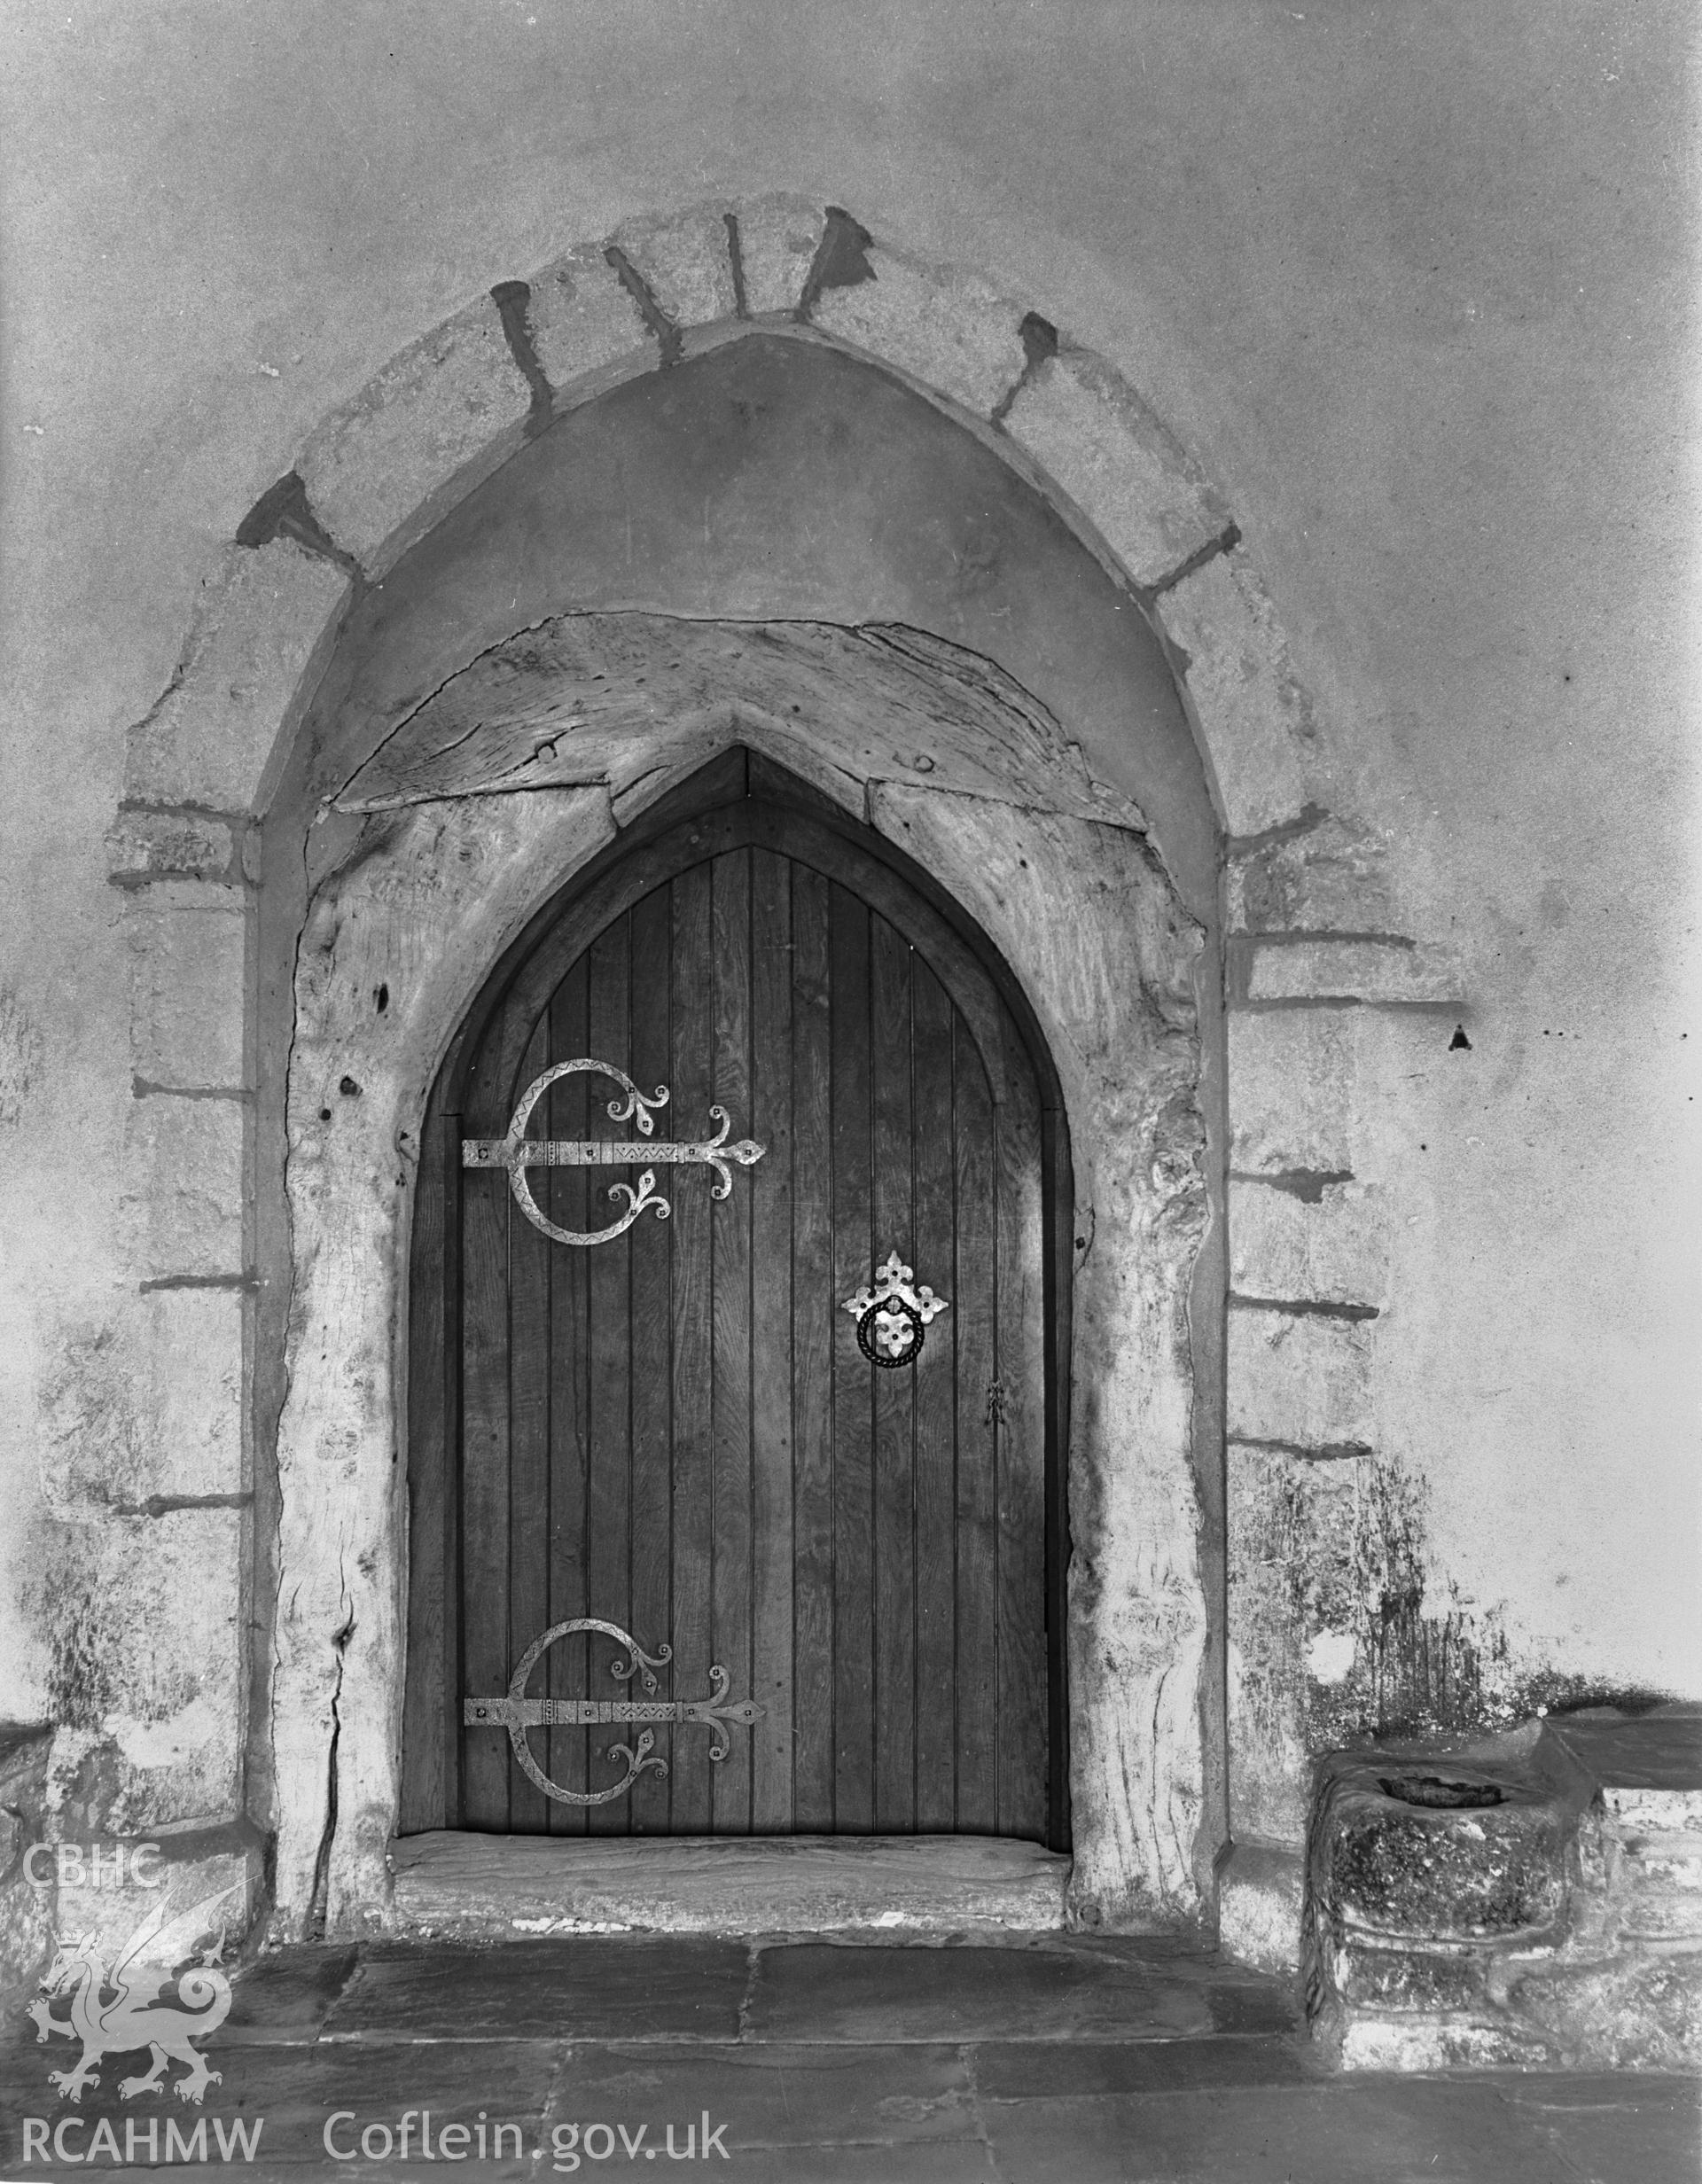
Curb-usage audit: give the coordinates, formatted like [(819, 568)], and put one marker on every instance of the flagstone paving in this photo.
[(1046, 2059)]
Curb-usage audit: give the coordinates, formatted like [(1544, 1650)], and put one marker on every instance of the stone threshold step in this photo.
[(502, 1885)]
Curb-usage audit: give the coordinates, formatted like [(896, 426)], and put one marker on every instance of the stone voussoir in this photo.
[(952, 332), (685, 260), (1093, 435), (1254, 717), (188, 941), (585, 325), (1323, 873), (261, 633), (426, 428), (778, 237)]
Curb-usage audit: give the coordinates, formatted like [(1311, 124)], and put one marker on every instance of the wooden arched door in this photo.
[(678, 1432)]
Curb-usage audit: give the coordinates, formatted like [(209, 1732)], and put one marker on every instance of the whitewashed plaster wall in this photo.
[(1433, 364)]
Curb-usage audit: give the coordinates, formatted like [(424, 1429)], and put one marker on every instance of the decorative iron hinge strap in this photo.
[(517, 1152), (547, 1713), (516, 1714)]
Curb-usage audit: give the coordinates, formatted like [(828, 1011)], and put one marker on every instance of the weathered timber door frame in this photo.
[(749, 798)]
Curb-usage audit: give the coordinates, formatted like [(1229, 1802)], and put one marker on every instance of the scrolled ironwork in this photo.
[(517, 1152)]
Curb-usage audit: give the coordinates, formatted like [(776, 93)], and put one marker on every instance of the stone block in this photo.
[(1254, 718), (421, 433), (146, 1405), (1326, 874), (1322, 967), (143, 1620), (1302, 1380), (1641, 2012), (147, 844), (190, 1402), (188, 943), (1331, 1245), (951, 332), (778, 236), (199, 1900), (181, 1187), (1661, 1864), (686, 261), (1431, 1981), (1091, 433), (1646, 1812), (26, 1911), (1439, 1874), (1438, 2043), (498, 1886), (1330, 1090), (1293, 1573), (583, 320), (1261, 1895), (262, 634)]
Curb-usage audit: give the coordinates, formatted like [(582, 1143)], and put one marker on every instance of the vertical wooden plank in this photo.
[(771, 1202), (853, 1786), (731, 1423), (812, 1338), (608, 1555), (485, 1204), (936, 1393), (1020, 1454), (529, 1253), (428, 1699), (974, 1307), (652, 1244), (565, 1663), (693, 1307), (454, 1672), (892, 1197)]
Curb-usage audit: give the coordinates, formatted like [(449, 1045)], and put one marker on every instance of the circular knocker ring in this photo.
[(892, 1334), (638, 1756)]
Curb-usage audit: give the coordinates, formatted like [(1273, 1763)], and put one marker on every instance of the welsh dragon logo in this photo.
[(121, 2007)]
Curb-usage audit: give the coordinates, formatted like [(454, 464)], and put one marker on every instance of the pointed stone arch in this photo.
[(1311, 910)]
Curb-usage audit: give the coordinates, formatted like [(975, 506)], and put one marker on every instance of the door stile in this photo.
[(1018, 1436), (1057, 1182), (974, 1317)]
